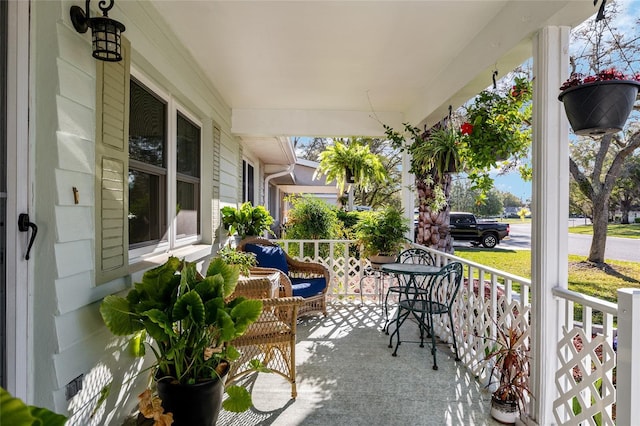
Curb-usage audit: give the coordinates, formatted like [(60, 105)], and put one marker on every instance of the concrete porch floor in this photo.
[(347, 376)]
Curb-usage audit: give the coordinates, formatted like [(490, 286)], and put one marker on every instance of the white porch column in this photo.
[(550, 208), (628, 385), (408, 195)]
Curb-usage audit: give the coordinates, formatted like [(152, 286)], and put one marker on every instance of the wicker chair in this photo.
[(272, 338), (306, 279)]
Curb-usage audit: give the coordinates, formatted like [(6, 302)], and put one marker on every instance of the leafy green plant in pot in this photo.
[(382, 234), (243, 259), (509, 365), (246, 220), (191, 322)]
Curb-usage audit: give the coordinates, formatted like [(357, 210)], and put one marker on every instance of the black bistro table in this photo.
[(411, 278)]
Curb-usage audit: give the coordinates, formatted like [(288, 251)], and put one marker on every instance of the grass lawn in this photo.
[(614, 230), (582, 278)]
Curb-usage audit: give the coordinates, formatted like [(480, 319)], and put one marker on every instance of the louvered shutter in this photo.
[(112, 167)]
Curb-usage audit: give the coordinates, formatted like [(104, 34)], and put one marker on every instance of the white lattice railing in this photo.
[(478, 313), (587, 360), (586, 393)]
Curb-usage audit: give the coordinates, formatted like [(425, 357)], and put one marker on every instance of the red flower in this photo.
[(466, 128)]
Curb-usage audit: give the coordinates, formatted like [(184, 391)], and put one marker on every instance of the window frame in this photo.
[(246, 186), (173, 107)]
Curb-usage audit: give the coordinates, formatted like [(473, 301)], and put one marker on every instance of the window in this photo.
[(155, 154), (188, 178), (248, 191), (147, 167)]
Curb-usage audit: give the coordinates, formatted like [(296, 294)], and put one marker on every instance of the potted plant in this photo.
[(497, 124), (508, 362), (13, 411), (382, 234), (599, 104), (191, 323), (246, 220), (243, 259)]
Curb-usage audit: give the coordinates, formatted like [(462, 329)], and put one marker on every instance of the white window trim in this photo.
[(252, 163), (19, 336), (173, 107)]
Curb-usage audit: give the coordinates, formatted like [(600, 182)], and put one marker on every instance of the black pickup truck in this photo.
[(465, 227)]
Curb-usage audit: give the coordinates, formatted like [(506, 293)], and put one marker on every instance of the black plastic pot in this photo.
[(601, 107), (191, 405)]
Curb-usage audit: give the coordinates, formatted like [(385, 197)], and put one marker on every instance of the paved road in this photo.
[(616, 249)]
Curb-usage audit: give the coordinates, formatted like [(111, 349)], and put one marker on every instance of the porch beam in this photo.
[(295, 122), (550, 207)]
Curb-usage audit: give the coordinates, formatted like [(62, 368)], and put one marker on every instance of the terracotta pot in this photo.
[(601, 107), (197, 404), (378, 260), (504, 411)]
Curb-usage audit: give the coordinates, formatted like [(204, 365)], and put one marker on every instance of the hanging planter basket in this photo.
[(600, 107)]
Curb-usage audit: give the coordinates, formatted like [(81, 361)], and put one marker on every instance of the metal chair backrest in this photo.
[(445, 286), (416, 255)]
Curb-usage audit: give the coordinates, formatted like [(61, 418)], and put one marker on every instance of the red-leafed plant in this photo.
[(509, 358), (577, 79)]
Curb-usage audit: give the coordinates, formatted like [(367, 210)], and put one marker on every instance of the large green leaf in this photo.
[(188, 277), (158, 283), (230, 273), (211, 310), (163, 326), (189, 305), (225, 325), (245, 313), (210, 287), (136, 344), (238, 401), (14, 412), (117, 316)]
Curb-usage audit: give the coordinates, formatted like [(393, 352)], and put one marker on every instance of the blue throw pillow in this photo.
[(306, 287), (269, 256)]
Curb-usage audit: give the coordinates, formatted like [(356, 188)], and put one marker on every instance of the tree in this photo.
[(626, 194), (461, 197), (595, 165), (510, 200), (492, 205)]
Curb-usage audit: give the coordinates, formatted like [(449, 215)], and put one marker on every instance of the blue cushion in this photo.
[(269, 256), (306, 287)]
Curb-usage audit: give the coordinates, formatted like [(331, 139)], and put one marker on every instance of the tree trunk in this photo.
[(600, 222), (625, 206), (433, 227)]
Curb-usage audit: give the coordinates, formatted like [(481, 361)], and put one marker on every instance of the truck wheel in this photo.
[(489, 240)]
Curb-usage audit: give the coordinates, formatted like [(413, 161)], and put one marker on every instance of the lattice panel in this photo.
[(584, 379), (475, 327)]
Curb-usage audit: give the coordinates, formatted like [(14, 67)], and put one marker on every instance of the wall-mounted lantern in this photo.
[(106, 33)]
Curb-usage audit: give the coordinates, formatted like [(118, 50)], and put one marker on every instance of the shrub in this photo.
[(311, 219)]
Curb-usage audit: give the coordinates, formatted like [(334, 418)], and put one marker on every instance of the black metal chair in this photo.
[(423, 299), (412, 255)]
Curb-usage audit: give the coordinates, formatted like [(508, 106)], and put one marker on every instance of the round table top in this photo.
[(410, 268)]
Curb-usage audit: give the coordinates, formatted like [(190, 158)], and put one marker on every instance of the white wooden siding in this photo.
[(70, 338)]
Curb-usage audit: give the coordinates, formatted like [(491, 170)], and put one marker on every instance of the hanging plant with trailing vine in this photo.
[(493, 128)]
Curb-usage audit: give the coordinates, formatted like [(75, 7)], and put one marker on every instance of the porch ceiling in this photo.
[(320, 67)]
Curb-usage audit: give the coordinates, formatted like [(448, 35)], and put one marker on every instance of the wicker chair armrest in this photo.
[(285, 308), (282, 301), (285, 282)]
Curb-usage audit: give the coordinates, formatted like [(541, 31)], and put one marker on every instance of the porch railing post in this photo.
[(628, 368)]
